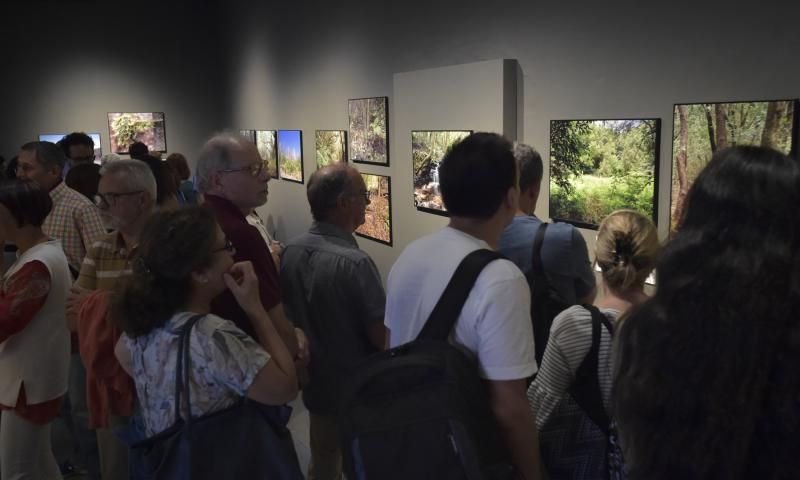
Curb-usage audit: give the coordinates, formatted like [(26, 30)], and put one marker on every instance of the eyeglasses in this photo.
[(254, 169), (110, 199), (227, 247)]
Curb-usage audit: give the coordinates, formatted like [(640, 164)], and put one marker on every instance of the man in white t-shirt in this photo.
[(478, 180)]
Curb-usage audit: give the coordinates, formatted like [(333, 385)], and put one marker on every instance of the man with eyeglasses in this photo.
[(234, 181), (81, 173), (333, 291), (75, 220), (126, 197)]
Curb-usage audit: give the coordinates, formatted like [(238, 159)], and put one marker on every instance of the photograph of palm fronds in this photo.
[(127, 128), (331, 147)]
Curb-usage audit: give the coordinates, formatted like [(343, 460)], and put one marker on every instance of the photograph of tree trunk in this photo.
[(290, 155), (126, 128), (266, 142), (427, 151), (369, 130), (250, 135), (598, 166), (331, 146), (378, 217), (700, 129)]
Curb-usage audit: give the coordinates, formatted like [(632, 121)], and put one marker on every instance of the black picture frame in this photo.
[(656, 169), (274, 134), (390, 241), (282, 161), (793, 143), (345, 146), (153, 147), (352, 153), (417, 204)]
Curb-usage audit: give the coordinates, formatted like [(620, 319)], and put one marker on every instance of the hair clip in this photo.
[(623, 251)]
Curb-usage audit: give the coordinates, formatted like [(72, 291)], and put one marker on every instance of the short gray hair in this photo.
[(530, 165), (135, 173), (216, 155)]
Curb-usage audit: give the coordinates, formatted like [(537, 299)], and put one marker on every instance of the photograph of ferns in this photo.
[(126, 128), (290, 155), (598, 166), (266, 143), (378, 216), (703, 128), (369, 131), (331, 147)]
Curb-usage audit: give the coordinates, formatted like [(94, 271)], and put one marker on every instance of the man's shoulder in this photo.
[(73, 200)]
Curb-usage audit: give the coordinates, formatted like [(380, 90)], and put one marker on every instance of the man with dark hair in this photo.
[(75, 221), (333, 291), (138, 150), (78, 147), (81, 173), (478, 179), (565, 257)]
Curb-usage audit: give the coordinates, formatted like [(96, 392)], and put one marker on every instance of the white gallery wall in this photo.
[(579, 60)]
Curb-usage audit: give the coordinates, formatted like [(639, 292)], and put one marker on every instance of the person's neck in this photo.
[(199, 302), (521, 213), (340, 223), (27, 238), (622, 300), (130, 234), (488, 230)]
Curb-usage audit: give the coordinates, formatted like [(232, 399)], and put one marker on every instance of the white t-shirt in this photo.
[(495, 323)]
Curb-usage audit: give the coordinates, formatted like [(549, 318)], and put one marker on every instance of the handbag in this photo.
[(247, 440), (575, 440)]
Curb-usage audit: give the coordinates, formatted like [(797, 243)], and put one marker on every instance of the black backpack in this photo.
[(420, 410), (546, 302)]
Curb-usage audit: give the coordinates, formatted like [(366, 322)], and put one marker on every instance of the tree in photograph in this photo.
[(680, 163), (775, 111), (567, 144)]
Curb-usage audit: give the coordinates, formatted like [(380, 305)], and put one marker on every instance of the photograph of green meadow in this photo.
[(266, 141), (378, 217), (290, 155), (598, 166), (700, 129), (369, 131), (428, 148), (331, 147)]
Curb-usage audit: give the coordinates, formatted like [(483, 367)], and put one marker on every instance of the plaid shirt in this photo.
[(75, 221), (106, 263)]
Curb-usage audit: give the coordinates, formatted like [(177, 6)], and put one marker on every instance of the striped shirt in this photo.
[(107, 261), (569, 343), (74, 220)]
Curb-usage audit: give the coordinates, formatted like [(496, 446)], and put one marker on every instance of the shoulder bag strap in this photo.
[(182, 369), (537, 266), (447, 310), (585, 390)]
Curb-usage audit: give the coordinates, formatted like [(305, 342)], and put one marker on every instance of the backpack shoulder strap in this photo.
[(585, 390), (447, 310), (536, 256)]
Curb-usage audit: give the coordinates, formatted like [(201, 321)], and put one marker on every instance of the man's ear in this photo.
[(215, 181)]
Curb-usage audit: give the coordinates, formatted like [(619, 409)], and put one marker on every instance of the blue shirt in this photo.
[(564, 255)]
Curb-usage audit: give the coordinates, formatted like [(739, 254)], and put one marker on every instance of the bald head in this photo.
[(327, 185)]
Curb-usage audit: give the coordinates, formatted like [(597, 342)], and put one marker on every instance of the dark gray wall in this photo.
[(66, 64)]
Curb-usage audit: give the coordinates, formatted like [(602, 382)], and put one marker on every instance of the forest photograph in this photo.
[(700, 129), (127, 128), (250, 135), (290, 155), (331, 147), (266, 144), (378, 217), (428, 148), (598, 166), (369, 130)]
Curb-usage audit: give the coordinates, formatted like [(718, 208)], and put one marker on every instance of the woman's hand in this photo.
[(242, 282)]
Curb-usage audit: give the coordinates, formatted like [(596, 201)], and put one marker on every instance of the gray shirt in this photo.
[(333, 291), (564, 255)]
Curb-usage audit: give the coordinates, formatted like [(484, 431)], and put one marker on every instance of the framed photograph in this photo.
[(598, 166), (267, 144), (126, 128), (700, 129), (378, 217), (369, 130), (290, 155), (331, 147), (428, 148), (56, 137), (248, 134)]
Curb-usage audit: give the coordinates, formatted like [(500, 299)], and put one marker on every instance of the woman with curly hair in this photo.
[(706, 383)]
